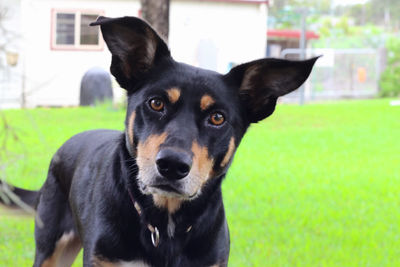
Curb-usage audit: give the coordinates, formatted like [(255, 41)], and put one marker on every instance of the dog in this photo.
[(151, 195)]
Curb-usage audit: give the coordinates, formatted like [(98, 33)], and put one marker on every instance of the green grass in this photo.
[(317, 185)]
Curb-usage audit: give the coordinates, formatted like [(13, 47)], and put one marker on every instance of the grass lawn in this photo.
[(317, 185)]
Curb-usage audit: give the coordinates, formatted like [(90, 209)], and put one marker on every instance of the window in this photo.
[(71, 30), (65, 29)]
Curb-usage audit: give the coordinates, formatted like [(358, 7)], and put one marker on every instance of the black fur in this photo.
[(90, 176)]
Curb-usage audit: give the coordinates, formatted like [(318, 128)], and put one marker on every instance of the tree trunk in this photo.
[(156, 12)]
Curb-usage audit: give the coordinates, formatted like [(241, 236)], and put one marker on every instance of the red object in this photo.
[(295, 34)]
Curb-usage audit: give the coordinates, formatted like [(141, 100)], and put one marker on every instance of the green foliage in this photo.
[(341, 34), (378, 12), (321, 5), (315, 185), (389, 82), (285, 14), (347, 26)]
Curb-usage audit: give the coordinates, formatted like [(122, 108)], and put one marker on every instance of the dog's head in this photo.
[(184, 123)]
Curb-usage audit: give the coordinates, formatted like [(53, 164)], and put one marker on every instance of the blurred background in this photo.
[(47, 46), (317, 184)]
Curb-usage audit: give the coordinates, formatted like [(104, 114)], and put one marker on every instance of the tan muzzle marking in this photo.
[(130, 127), (229, 153), (202, 164)]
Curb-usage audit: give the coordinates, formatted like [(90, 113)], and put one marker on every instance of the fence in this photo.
[(341, 73)]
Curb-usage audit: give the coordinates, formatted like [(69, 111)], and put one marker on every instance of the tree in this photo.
[(286, 13), (156, 12), (7, 37), (379, 12), (8, 134)]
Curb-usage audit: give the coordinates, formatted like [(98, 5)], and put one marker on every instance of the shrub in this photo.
[(390, 79)]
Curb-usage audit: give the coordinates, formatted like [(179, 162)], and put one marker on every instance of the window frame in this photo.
[(77, 30)]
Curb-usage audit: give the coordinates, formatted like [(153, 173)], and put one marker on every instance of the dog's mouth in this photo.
[(166, 190)]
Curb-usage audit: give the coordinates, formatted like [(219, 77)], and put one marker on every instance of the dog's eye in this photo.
[(217, 118), (156, 104)]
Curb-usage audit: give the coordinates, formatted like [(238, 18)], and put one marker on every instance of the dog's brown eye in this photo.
[(157, 104), (217, 118)]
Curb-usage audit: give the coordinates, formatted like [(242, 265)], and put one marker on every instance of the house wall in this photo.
[(53, 76), (213, 35)]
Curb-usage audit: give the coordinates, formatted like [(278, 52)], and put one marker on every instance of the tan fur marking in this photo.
[(98, 262), (173, 95), (202, 164), (229, 153), (130, 128), (201, 170), (148, 150), (146, 156), (65, 251), (206, 101), (172, 204), (147, 153)]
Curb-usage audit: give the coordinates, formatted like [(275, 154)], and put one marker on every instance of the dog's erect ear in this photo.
[(261, 82), (134, 45)]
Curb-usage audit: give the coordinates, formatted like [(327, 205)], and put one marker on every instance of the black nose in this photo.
[(173, 164)]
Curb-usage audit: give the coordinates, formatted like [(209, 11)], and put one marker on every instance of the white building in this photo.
[(54, 47)]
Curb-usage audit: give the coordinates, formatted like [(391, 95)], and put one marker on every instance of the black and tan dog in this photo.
[(151, 196)]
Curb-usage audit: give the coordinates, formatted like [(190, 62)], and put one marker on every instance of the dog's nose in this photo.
[(173, 164)]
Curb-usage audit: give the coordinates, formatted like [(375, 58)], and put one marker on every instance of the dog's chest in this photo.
[(136, 263), (133, 264)]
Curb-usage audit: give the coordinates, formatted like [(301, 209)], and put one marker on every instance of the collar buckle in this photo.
[(155, 235)]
